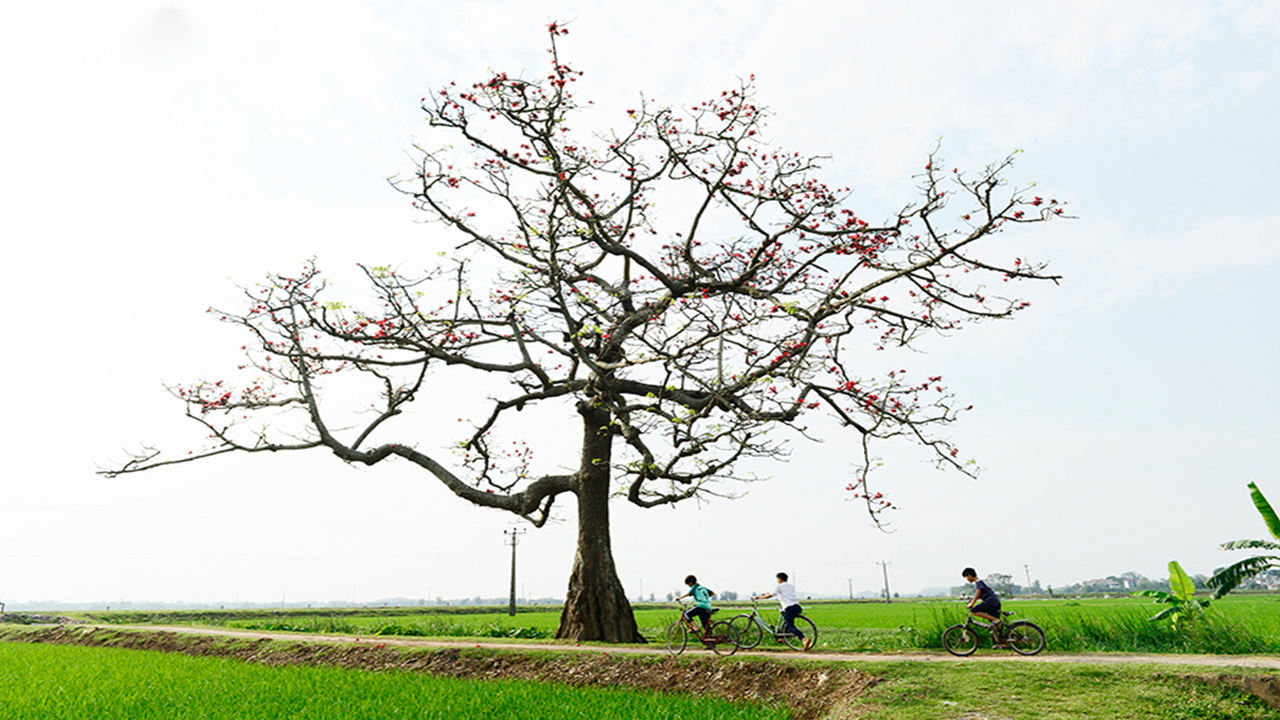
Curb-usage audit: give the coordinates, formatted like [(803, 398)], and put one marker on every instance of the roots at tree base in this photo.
[(596, 608)]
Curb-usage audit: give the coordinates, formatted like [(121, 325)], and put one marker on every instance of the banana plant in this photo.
[(1229, 578), (1181, 599)]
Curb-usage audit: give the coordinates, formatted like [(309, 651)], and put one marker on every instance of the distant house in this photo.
[(1269, 580), (1106, 584)]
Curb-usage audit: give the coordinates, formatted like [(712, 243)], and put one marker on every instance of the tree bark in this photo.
[(595, 606)]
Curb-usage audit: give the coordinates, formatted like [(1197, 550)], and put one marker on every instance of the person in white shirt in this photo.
[(786, 594)]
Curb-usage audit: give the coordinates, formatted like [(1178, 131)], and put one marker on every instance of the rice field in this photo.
[(60, 682), (1238, 624)]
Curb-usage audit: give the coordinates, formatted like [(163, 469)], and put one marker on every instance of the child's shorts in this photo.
[(698, 612), (987, 608)]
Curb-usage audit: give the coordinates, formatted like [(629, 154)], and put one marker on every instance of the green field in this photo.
[(57, 682), (111, 682), (1238, 624), (1235, 625)]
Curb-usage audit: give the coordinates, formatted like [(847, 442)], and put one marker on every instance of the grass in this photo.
[(431, 626), (1238, 624), (56, 682), (1050, 691), (1245, 624)]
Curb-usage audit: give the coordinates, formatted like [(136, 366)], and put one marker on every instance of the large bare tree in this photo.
[(682, 339)]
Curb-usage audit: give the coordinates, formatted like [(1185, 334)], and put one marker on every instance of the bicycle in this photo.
[(1022, 636), (752, 626), (719, 636)]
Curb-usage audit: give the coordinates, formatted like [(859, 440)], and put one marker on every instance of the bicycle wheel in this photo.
[(806, 626), (677, 637), (1026, 638), (960, 640), (722, 638), (748, 631)]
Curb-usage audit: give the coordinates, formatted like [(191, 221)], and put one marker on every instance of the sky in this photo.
[(156, 156)]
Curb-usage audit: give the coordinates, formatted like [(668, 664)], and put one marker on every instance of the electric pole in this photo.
[(884, 565), (850, 588), (514, 540), (1027, 570)]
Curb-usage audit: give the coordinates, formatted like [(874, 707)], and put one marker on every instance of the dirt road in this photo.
[(1270, 662)]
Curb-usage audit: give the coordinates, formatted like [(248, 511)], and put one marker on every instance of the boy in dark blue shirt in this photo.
[(985, 602)]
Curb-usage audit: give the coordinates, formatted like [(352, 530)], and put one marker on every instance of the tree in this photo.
[(1001, 583), (1230, 577), (682, 341)]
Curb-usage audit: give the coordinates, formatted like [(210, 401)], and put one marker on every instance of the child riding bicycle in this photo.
[(985, 602), (786, 594), (701, 604)]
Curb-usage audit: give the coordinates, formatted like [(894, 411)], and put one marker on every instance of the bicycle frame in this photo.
[(753, 627), (718, 636), (774, 629), (1022, 636), (991, 626), (695, 626)]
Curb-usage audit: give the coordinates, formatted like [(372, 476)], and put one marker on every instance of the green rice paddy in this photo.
[(59, 682)]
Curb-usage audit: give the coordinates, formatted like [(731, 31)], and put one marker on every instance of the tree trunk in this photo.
[(596, 606)]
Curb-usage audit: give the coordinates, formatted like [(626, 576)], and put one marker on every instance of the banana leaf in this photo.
[(1160, 595), (1180, 583), (1230, 577), (1264, 508), (1250, 545)]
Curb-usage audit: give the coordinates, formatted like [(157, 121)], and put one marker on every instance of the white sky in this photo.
[(151, 155)]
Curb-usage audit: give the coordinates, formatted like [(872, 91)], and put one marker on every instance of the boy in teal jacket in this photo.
[(701, 603)]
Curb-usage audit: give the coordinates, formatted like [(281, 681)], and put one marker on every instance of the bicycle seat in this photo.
[(715, 610), (1005, 613)]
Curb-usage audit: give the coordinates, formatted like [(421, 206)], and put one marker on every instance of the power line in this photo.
[(513, 540)]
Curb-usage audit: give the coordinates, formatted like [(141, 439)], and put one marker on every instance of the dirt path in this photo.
[(1270, 662)]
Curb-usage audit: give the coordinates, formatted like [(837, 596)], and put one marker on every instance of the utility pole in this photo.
[(850, 588), (1027, 570), (884, 565), (514, 534)]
